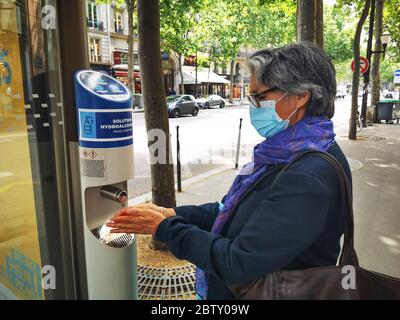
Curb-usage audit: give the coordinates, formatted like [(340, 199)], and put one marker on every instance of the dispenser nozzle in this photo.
[(115, 194)]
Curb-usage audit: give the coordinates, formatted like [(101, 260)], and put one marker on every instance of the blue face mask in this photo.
[(265, 119)]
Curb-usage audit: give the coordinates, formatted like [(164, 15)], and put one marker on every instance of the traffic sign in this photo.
[(364, 65), (396, 79)]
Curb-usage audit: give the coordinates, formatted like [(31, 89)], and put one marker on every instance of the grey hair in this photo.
[(297, 68)]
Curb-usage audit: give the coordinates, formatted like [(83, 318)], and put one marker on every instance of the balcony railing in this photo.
[(95, 24), (95, 58), (119, 30)]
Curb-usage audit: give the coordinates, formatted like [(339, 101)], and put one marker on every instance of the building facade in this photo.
[(107, 27), (108, 30)]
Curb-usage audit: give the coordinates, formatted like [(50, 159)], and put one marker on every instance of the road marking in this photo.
[(46, 124), (36, 115), (53, 114), (59, 104), (35, 96), (51, 95), (28, 106), (44, 105)]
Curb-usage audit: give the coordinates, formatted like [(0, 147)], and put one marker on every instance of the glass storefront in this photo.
[(33, 193)]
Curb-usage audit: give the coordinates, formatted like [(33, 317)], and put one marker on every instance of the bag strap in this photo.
[(348, 255)]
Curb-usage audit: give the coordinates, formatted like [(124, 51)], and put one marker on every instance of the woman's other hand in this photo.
[(139, 220), (166, 212)]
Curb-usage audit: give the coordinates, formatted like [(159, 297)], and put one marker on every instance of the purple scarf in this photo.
[(310, 133)]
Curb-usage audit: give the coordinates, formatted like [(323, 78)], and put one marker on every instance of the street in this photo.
[(209, 141)]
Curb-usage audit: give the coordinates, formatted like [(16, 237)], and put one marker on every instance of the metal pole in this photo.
[(195, 86), (238, 145), (178, 160)]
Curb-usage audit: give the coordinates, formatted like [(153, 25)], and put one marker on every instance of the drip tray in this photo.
[(166, 283)]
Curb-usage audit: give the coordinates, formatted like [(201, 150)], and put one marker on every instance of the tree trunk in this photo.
[(376, 83), (182, 84), (310, 21), (232, 75), (356, 74), (156, 116), (131, 79), (367, 73)]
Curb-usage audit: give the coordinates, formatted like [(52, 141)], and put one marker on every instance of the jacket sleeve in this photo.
[(202, 216), (284, 224)]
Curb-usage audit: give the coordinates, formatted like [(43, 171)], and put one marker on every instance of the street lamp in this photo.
[(385, 39)]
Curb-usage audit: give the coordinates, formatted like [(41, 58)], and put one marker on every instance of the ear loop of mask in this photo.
[(292, 114)]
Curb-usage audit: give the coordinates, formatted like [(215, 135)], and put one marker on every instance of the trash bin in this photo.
[(396, 111), (385, 110)]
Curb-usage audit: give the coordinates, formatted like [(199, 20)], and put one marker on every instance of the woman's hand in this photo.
[(166, 212), (139, 220)]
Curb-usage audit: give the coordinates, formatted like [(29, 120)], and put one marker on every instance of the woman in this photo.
[(265, 224)]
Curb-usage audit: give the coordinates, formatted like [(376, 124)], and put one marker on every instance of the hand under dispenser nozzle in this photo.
[(115, 194)]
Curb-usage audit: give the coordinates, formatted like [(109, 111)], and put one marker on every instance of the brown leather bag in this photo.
[(345, 281)]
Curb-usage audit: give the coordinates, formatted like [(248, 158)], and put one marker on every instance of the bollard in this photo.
[(238, 145), (178, 161)]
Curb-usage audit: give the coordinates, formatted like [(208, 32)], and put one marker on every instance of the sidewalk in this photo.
[(375, 164)]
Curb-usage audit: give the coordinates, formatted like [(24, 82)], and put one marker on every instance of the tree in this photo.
[(391, 17), (338, 34), (222, 30), (367, 72), (376, 83), (227, 26), (387, 67), (356, 73), (310, 21), (177, 22), (156, 116)]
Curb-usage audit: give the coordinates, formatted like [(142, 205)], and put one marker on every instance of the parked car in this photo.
[(180, 105), (206, 102), (389, 95), (340, 95)]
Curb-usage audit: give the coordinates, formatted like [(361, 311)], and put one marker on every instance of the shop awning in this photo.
[(203, 76), (121, 70), (121, 73)]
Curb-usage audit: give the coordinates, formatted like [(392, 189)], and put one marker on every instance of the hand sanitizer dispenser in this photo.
[(104, 122)]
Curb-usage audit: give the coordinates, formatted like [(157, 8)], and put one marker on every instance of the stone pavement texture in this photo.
[(375, 162)]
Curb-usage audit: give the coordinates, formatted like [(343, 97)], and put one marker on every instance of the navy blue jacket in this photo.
[(297, 224)]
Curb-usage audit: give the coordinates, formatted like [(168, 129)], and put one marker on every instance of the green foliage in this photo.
[(177, 21), (225, 26), (391, 21), (273, 23), (387, 68), (343, 71), (338, 34)]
